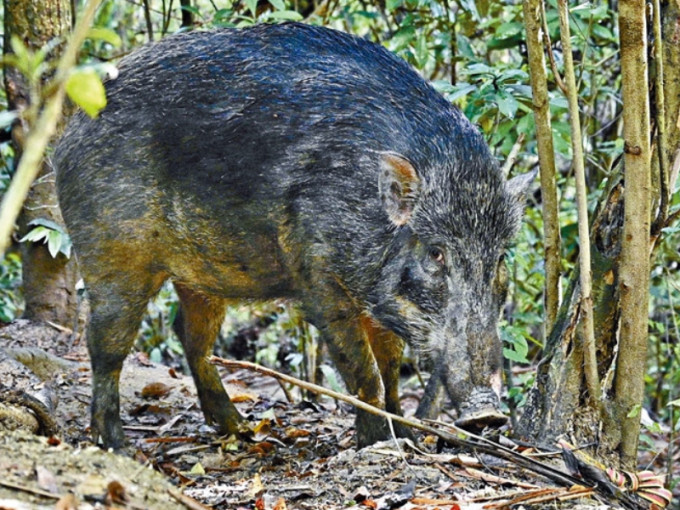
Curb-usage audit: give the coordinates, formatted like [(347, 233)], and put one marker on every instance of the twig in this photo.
[(482, 444), (30, 490), (500, 480), (181, 439), (147, 18), (446, 471), (548, 48), (187, 501), (512, 157), (59, 327), (285, 391), (396, 444)]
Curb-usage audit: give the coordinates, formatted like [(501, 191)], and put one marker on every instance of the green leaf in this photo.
[(635, 411), (603, 33), (443, 86), (509, 29), (514, 356), (285, 15), (6, 118), (20, 50), (507, 105), (46, 223), (252, 6), (53, 242), (47, 231), (278, 5), (156, 355), (85, 88), (421, 50), (331, 377), (104, 34), (391, 5), (36, 234), (402, 38), (462, 91), (193, 10)]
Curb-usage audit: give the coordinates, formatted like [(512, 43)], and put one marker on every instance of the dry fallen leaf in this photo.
[(67, 502), (257, 489), (156, 390), (280, 504), (46, 480), (115, 493)]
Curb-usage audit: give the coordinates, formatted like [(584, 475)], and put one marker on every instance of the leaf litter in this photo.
[(301, 455)]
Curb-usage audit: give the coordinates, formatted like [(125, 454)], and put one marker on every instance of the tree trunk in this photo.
[(556, 405), (49, 283), (634, 269)]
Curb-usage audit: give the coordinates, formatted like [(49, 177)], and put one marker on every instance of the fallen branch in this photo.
[(187, 501), (29, 490), (480, 443)]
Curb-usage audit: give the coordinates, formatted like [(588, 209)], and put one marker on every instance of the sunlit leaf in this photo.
[(105, 34), (85, 88)]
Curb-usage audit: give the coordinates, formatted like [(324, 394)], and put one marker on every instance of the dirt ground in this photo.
[(301, 454)]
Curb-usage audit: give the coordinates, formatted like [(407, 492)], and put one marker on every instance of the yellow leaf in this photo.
[(86, 90)]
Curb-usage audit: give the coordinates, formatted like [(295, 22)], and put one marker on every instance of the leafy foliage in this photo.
[(50, 233)]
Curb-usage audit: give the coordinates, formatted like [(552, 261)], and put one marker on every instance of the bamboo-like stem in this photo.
[(635, 250), (662, 135), (546, 160), (40, 135), (589, 353)]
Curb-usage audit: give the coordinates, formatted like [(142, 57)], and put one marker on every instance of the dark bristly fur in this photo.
[(289, 161)]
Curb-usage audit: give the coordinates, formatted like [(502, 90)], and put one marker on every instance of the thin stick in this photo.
[(512, 157), (490, 448), (548, 49), (187, 501), (30, 490)]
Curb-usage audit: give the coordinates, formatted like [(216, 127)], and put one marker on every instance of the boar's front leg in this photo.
[(387, 349), (352, 356), (339, 323)]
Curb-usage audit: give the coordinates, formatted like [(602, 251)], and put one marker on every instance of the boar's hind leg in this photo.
[(202, 316), (116, 312)]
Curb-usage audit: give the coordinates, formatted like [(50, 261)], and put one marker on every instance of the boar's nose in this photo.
[(480, 410)]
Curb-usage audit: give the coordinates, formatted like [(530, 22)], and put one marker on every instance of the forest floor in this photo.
[(301, 455)]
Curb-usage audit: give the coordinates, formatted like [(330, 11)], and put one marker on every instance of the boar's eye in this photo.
[(437, 255)]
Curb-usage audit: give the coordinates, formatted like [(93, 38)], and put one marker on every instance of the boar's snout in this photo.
[(480, 410), (474, 375)]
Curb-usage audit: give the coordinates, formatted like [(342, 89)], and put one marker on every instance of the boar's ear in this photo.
[(398, 184), (518, 186)]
